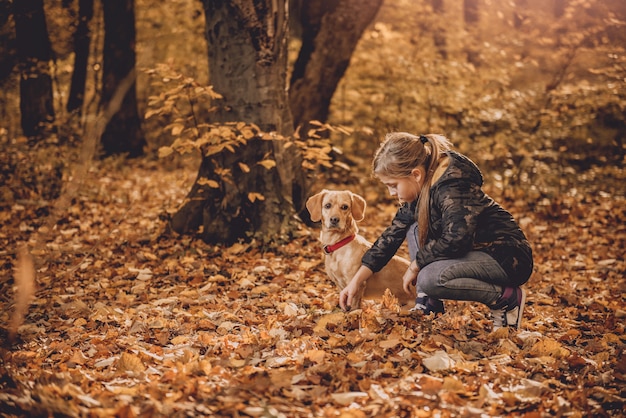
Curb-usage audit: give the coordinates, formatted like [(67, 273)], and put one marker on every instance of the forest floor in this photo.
[(130, 321)]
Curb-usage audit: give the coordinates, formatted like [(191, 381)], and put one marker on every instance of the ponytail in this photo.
[(438, 145)]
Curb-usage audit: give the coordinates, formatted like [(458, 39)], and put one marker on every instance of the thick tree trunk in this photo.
[(331, 30), (123, 133), (82, 40), (247, 49), (260, 182), (34, 55), (246, 205)]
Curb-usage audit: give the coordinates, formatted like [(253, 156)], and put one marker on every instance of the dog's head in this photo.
[(336, 209)]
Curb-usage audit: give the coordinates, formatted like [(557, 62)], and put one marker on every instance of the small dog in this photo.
[(339, 212)]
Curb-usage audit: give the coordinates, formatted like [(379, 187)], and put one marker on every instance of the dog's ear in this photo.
[(358, 207), (314, 206)]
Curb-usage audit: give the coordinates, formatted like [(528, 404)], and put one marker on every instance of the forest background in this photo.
[(131, 319)]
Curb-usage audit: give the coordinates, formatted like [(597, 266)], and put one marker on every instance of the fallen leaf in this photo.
[(129, 362), (346, 398), (440, 360)]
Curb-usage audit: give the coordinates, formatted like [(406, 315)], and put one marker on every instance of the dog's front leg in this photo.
[(341, 281)]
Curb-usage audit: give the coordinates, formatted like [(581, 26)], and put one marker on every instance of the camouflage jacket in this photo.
[(462, 218)]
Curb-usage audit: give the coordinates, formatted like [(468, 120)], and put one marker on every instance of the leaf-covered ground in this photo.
[(130, 321)]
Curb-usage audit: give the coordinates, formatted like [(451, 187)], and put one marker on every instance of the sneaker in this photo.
[(508, 311), (427, 305)]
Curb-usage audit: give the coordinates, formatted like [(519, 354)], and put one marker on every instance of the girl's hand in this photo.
[(347, 294), (346, 297), (410, 278)]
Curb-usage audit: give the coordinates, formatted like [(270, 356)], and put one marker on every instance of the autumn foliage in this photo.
[(110, 313), (131, 321)]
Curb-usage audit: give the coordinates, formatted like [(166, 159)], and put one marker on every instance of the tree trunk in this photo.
[(519, 13), (8, 63), (123, 133), (247, 50), (471, 17), (8, 58), (439, 32), (559, 8), (331, 30), (82, 40), (470, 12), (34, 55)]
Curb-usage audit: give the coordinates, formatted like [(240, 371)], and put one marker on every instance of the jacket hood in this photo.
[(461, 167)]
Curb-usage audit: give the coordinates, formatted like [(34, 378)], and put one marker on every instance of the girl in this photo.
[(463, 245)]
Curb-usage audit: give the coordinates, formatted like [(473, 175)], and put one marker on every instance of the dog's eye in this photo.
[(345, 207), (327, 206)]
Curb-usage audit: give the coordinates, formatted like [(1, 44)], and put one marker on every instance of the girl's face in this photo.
[(406, 189)]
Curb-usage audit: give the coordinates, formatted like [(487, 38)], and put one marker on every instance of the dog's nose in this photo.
[(334, 220)]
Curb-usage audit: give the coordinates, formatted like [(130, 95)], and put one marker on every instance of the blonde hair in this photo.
[(400, 153)]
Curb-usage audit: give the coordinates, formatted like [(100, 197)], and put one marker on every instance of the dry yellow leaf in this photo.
[(346, 398), (129, 362), (335, 319), (316, 356), (268, 164), (390, 343), (549, 348), (255, 196), (181, 339), (203, 181)]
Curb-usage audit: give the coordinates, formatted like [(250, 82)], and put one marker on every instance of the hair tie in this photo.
[(423, 139)]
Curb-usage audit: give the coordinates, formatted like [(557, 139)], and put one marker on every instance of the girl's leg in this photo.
[(474, 277)]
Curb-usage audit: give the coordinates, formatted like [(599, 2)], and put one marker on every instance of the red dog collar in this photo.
[(330, 248)]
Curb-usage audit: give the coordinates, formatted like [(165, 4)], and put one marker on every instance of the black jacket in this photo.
[(462, 218)]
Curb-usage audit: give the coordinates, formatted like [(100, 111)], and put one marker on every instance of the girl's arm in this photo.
[(386, 246), (410, 278)]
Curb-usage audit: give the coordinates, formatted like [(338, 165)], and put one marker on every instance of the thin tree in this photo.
[(519, 13), (559, 8), (439, 32), (7, 40), (34, 55), (123, 134), (470, 12), (8, 62), (471, 17), (82, 40)]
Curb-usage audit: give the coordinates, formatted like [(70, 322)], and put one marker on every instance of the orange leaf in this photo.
[(255, 196)]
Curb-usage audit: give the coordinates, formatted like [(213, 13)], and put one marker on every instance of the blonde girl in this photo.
[(463, 245)]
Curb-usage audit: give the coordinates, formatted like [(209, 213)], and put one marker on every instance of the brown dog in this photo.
[(339, 212)]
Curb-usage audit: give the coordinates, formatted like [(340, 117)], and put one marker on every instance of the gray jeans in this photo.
[(475, 277)]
